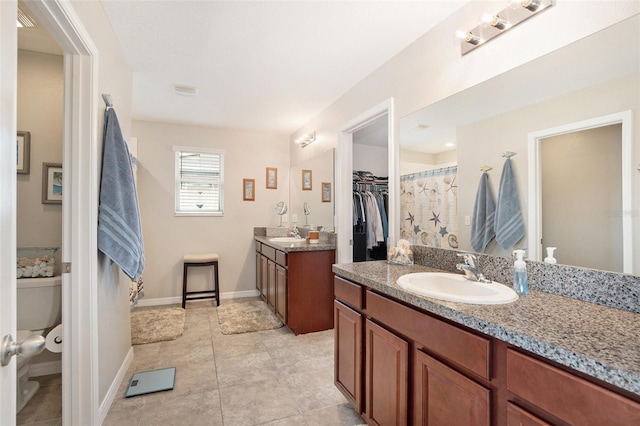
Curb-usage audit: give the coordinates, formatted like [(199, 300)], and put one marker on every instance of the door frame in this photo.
[(625, 118), (344, 178), (79, 240), (8, 196)]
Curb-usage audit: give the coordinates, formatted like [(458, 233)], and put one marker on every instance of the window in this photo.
[(199, 181)]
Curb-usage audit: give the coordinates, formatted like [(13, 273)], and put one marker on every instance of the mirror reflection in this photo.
[(445, 146), (311, 192)]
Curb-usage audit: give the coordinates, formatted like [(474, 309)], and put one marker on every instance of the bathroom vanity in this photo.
[(544, 359), (296, 281)]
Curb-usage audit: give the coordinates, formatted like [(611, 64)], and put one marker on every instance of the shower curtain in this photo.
[(429, 208)]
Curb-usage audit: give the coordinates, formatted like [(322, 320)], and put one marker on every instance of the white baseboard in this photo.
[(115, 385), (45, 368), (158, 301)]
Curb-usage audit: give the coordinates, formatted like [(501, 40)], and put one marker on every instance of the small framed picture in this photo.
[(272, 178), (248, 189), (23, 163), (326, 192), (51, 183), (306, 180)]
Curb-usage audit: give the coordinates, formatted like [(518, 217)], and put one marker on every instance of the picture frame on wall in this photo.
[(326, 192), (272, 178), (52, 183), (23, 158), (248, 189), (306, 180)]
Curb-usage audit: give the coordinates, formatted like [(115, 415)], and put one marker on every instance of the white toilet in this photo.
[(39, 308)]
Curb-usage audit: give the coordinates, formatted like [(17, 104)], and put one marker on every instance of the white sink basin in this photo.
[(286, 240), (456, 288)]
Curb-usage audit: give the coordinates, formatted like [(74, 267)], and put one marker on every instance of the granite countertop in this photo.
[(293, 247), (600, 341)]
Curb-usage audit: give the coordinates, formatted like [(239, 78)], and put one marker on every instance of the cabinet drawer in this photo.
[(269, 252), (567, 396), (348, 292), (516, 416), (281, 258), (258, 246), (461, 347)]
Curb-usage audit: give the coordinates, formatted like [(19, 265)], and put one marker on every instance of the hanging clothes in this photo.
[(370, 222)]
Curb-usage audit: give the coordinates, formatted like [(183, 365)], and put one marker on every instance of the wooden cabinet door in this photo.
[(442, 396), (281, 293), (271, 284), (386, 377), (348, 353), (264, 277)]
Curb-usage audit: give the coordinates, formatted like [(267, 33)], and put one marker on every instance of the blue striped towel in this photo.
[(509, 224), (119, 229), (482, 227)]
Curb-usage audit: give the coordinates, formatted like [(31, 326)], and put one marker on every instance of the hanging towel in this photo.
[(482, 227), (509, 225), (119, 230)]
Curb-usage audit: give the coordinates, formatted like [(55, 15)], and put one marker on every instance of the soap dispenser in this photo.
[(520, 283), (550, 258)]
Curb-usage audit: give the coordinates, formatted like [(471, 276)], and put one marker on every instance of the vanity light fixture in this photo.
[(306, 139), (494, 20), (493, 24), (468, 37)]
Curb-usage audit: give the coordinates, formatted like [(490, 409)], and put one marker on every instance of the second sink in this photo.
[(286, 240), (456, 288)]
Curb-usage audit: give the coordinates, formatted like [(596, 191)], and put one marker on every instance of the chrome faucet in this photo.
[(470, 268), (295, 232)]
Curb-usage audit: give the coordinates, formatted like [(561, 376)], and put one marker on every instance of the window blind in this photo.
[(199, 182)]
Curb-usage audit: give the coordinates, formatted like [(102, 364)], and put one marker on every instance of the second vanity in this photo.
[(296, 281), (544, 359)]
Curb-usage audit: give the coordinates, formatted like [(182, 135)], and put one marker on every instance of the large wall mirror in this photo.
[(445, 146), (311, 185)]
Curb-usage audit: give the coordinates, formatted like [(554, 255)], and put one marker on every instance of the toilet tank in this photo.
[(39, 302)]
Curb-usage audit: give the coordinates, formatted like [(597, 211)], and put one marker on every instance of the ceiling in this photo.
[(261, 65)]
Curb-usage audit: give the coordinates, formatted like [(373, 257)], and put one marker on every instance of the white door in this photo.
[(8, 70)]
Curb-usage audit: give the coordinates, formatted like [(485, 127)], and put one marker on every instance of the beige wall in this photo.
[(168, 238), (582, 197), (40, 106), (483, 143), (115, 78)]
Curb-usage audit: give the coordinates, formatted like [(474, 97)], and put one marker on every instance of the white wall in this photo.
[(40, 101), (115, 78), (372, 159), (432, 68), (168, 238)]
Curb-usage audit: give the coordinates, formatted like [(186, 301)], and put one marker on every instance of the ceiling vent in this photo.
[(183, 90), (24, 20)]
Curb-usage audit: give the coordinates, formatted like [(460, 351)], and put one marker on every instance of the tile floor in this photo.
[(262, 378), (45, 408)]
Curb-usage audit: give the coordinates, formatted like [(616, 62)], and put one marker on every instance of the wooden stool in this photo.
[(201, 259)]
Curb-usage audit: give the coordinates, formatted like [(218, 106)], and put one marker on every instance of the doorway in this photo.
[(79, 359), (344, 178), (603, 145)]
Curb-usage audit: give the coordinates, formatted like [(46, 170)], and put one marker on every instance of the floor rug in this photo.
[(235, 318), (156, 325)]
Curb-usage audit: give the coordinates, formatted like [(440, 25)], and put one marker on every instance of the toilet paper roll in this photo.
[(53, 341)]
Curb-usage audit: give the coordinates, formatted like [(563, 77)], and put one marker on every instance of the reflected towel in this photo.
[(482, 227), (119, 229), (509, 224)]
